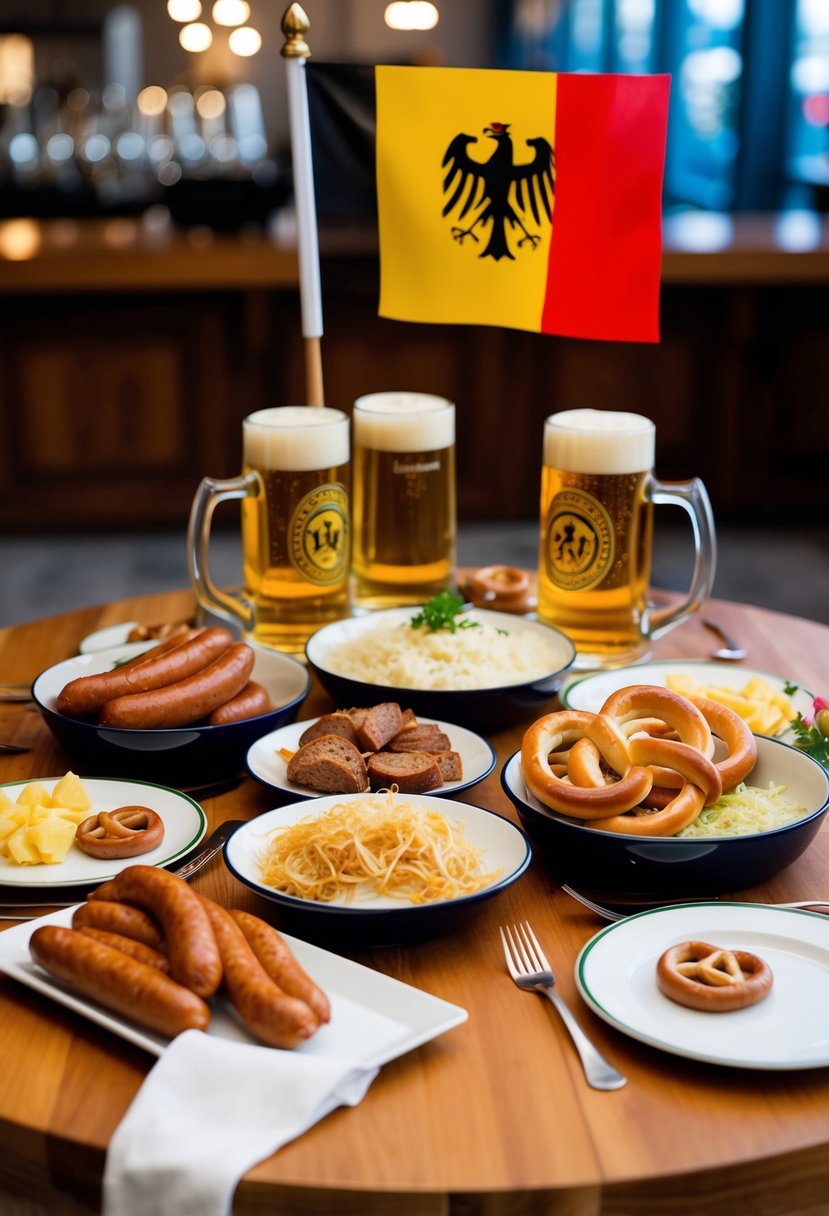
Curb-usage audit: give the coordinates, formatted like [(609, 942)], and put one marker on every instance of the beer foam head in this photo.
[(296, 438), (404, 422), (599, 441)]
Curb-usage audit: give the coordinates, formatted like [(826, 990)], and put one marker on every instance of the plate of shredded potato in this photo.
[(767, 703), (401, 859)]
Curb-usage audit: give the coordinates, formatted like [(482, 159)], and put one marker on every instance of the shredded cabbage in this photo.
[(745, 810)]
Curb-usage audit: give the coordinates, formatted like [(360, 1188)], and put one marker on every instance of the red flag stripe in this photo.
[(606, 248)]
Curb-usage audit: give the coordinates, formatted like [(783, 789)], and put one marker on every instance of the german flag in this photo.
[(527, 200)]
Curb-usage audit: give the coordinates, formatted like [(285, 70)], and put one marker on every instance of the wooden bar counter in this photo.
[(135, 254), (133, 349), (494, 1117)]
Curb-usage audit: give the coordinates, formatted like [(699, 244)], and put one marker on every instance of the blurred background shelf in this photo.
[(132, 350)]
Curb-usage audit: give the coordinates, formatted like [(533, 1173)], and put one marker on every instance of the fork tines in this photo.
[(521, 950)]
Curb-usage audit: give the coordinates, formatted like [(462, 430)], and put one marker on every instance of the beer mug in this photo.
[(294, 492), (597, 497), (405, 517)]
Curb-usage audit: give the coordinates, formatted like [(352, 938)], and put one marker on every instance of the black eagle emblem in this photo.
[(497, 189)]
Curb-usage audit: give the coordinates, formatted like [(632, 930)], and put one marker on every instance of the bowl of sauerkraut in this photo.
[(477, 668), (377, 867), (750, 834)]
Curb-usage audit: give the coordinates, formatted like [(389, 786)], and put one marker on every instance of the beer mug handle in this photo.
[(208, 496), (693, 498)]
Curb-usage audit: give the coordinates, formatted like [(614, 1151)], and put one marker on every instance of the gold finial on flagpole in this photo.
[(296, 52), (295, 26)]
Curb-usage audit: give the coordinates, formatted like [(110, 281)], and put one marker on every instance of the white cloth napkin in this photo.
[(209, 1109)]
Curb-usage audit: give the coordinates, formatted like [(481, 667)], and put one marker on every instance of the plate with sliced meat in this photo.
[(348, 752)]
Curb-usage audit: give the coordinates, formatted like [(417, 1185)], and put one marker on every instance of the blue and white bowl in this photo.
[(610, 861), (376, 919), (494, 707), (184, 755)]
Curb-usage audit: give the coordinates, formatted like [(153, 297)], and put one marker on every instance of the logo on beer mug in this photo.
[(580, 544), (319, 535)]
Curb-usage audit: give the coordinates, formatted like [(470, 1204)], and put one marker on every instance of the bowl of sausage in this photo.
[(659, 793), (181, 712)]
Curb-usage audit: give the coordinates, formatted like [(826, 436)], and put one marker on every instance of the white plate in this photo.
[(590, 692), (616, 974), (185, 824), (504, 848), (374, 1018), (266, 765), (112, 635)]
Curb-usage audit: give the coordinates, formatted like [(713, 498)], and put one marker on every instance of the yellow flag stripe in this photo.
[(427, 274)]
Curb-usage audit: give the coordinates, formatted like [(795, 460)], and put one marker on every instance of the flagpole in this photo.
[(295, 51)]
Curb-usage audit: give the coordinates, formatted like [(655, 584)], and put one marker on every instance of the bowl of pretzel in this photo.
[(184, 711), (659, 792)]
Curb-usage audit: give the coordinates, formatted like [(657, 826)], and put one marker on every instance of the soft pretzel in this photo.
[(681, 810), (652, 700), (671, 810), (599, 767), (548, 735), (738, 739), (127, 832), (705, 977)]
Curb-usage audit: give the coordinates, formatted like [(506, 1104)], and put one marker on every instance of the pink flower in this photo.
[(819, 703)]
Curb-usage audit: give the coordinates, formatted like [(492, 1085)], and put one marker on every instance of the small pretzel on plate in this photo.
[(713, 980), (504, 588), (127, 832)]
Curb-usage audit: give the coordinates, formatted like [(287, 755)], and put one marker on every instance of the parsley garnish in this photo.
[(443, 611), (810, 740), (790, 689)]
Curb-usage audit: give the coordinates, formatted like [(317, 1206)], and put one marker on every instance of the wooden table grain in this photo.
[(494, 1117)]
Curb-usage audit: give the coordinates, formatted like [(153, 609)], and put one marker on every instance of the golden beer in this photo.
[(602, 617), (295, 526), (404, 506), (596, 542)]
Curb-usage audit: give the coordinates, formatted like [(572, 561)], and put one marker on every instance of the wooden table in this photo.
[(493, 1117)]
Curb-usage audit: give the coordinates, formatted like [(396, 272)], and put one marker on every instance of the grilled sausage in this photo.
[(128, 945), (118, 982), (185, 701), (190, 944), (280, 964), (269, 1013), (119, 918), (252, 701), (87, 695)]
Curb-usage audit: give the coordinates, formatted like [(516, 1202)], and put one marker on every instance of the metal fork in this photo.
[(531, 972), (612, 914)]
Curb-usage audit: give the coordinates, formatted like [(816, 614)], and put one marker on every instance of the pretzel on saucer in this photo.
[(504, 588), (600, 767), (705, 977), (127, 832)]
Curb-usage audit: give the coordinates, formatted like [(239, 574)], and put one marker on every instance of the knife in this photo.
[(214, 843), (209, 849)]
